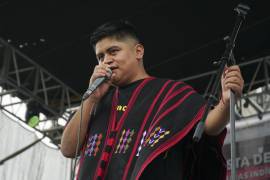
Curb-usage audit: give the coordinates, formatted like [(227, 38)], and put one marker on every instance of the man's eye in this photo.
[(114, 51), (100, 58)]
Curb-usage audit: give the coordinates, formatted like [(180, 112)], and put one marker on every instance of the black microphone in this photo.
[(92, 87)]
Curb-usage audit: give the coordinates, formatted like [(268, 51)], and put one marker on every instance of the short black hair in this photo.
[(118, 29)]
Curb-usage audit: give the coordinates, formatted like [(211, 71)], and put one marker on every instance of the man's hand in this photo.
[(218, 118), (100, 70), (231, 80)]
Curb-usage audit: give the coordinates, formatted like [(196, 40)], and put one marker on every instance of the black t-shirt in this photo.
[(125, 93)]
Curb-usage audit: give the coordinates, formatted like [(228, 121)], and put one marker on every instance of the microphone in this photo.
[(92, 87)]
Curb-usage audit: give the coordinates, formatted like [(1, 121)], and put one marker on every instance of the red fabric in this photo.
[(100, 172), (110, 141), (105, 156)]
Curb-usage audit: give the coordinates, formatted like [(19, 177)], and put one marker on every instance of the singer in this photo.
[(136, 126)]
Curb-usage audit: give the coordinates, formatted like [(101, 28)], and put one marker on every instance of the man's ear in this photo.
[(139, 51)]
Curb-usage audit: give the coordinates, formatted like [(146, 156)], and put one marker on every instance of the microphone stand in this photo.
[(226, 59)]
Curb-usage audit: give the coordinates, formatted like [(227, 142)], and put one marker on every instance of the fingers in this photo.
[(233, 68), (236, 88), (104, 71), (100, 70), (110, 63), (233, 74), (232, 79)]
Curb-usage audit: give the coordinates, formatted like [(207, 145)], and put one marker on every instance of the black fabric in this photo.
[(172, 110), (88, 165), (189, 161), (168, 165), (207, 159), (124, 95)]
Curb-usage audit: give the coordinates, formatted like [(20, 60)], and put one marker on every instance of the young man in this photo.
[(142, 126)]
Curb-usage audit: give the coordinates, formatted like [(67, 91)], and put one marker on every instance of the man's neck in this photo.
[(138, 76)]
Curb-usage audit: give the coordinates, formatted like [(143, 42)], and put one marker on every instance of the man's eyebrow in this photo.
[(112, 47), (107, 50)]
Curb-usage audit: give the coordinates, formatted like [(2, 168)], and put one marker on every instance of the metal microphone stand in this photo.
[(226, 59)]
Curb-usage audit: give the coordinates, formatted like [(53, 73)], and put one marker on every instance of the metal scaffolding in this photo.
[(21, 77), (256, 96)]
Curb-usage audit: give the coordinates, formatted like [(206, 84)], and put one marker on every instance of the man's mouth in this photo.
[(113, 68)]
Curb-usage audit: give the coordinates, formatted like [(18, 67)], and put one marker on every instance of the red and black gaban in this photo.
[(154, 103)]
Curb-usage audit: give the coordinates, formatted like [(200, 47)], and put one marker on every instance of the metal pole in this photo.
[(232, 125)]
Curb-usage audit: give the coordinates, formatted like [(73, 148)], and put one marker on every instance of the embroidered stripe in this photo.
[(141, 143), (103, 164), (100, 172), (105, 156), (108, 149), (171, 142), (108, 134), (110, 142), (170, 109), (142, 128), (124, 141), (82, 157), (172, 88), (122, 119), (165, 101)]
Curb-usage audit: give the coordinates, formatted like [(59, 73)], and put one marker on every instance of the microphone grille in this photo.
[(109, 71)]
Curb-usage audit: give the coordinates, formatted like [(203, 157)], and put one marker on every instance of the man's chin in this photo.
[(115, 80), (118, 82)]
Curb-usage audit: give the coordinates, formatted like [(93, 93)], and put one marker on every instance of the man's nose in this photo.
[(108, 60)]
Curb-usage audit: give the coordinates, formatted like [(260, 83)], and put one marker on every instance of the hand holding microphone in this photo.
[(103, 74)]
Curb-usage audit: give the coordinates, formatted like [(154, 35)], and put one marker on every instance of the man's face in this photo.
[(122, 56)]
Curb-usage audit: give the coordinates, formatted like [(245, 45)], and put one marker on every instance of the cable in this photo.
[(78, 138), (78, 143)]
